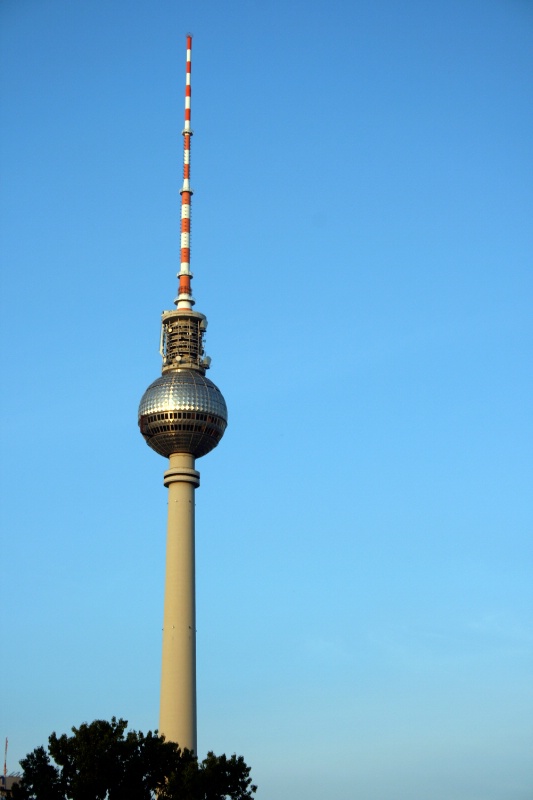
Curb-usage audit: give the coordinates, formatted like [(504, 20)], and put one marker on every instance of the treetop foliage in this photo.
[(103, 761)]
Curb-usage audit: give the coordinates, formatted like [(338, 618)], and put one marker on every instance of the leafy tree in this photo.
[(215, 778), (101, 761), (40, 780)]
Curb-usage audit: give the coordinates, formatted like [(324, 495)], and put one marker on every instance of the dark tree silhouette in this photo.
[(101, 761)]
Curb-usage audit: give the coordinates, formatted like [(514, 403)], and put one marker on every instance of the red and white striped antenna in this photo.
[(184, 299)]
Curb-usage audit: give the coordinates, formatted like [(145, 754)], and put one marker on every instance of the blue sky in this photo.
[(362, 247)]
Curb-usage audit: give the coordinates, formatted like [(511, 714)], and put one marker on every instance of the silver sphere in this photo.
[(183, 412)]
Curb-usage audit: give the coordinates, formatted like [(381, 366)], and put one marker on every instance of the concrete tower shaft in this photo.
[(177, 716)]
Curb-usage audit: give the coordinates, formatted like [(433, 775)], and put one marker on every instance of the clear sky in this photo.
[(362, 247)]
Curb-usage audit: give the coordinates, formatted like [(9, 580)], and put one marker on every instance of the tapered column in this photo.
[(177, 719)]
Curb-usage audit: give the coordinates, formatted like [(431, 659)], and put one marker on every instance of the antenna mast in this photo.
[(182, 330), (184, 298)]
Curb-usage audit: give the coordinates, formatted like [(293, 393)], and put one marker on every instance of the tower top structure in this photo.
[(183, 411)]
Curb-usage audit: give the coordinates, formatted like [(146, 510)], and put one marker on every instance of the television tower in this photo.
[(182, 416)]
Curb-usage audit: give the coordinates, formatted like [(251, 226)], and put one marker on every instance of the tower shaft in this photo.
[(177, 719)]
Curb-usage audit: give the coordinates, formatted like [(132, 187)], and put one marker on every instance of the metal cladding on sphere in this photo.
[(183, 412)]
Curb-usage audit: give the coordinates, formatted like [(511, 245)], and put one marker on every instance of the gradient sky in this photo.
[(362, 246)]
